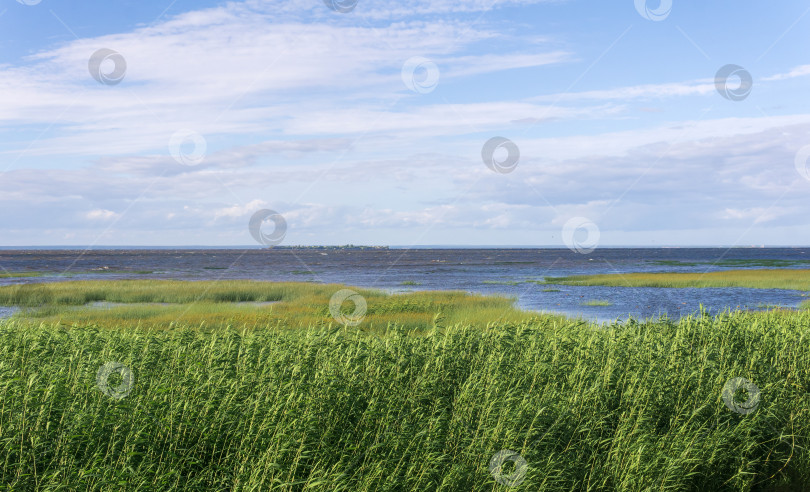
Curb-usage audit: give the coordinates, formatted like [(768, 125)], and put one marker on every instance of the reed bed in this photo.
[(630, 407)]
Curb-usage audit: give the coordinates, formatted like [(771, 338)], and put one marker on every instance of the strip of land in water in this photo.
[(791, 279), (21, 274)]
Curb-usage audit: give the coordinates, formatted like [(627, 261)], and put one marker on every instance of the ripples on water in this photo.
[(397, 270)]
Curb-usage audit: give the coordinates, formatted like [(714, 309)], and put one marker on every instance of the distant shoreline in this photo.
[(347, 247), (256, 247)]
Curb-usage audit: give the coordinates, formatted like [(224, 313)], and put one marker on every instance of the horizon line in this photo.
[(358, 246)]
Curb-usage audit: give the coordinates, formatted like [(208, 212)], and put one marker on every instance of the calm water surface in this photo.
[(499, 271)]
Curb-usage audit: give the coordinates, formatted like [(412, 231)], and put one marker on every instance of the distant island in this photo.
[(344, 247)]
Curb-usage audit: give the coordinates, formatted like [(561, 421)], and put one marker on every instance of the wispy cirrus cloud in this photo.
[(252, 88), (800, 71)]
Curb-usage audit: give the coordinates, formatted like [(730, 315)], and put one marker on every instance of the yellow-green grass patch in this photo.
[(792, 279), (156, 304)]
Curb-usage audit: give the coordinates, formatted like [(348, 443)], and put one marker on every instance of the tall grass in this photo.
[(628, 407)]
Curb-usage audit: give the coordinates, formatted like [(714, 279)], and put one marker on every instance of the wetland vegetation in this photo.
[(215, 392), (792, 279), (164, 303)]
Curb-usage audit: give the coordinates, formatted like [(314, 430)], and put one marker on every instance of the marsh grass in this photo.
[(163, 303), (793, 279), (735, 262), (597, 302), (501, 282), (630, 407), (110, 270), (21, 274)]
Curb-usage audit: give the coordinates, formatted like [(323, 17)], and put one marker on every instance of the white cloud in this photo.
[(100, 214), (759, 215), (392, 9), (475, 65), (647, 91), (240, 210), (800, 71)]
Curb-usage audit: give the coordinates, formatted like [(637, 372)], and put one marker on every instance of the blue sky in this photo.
[(367, 127)]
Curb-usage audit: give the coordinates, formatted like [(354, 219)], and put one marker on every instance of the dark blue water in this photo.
[(492, 271)]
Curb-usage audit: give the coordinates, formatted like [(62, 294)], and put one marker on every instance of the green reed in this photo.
[(632, 406)]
